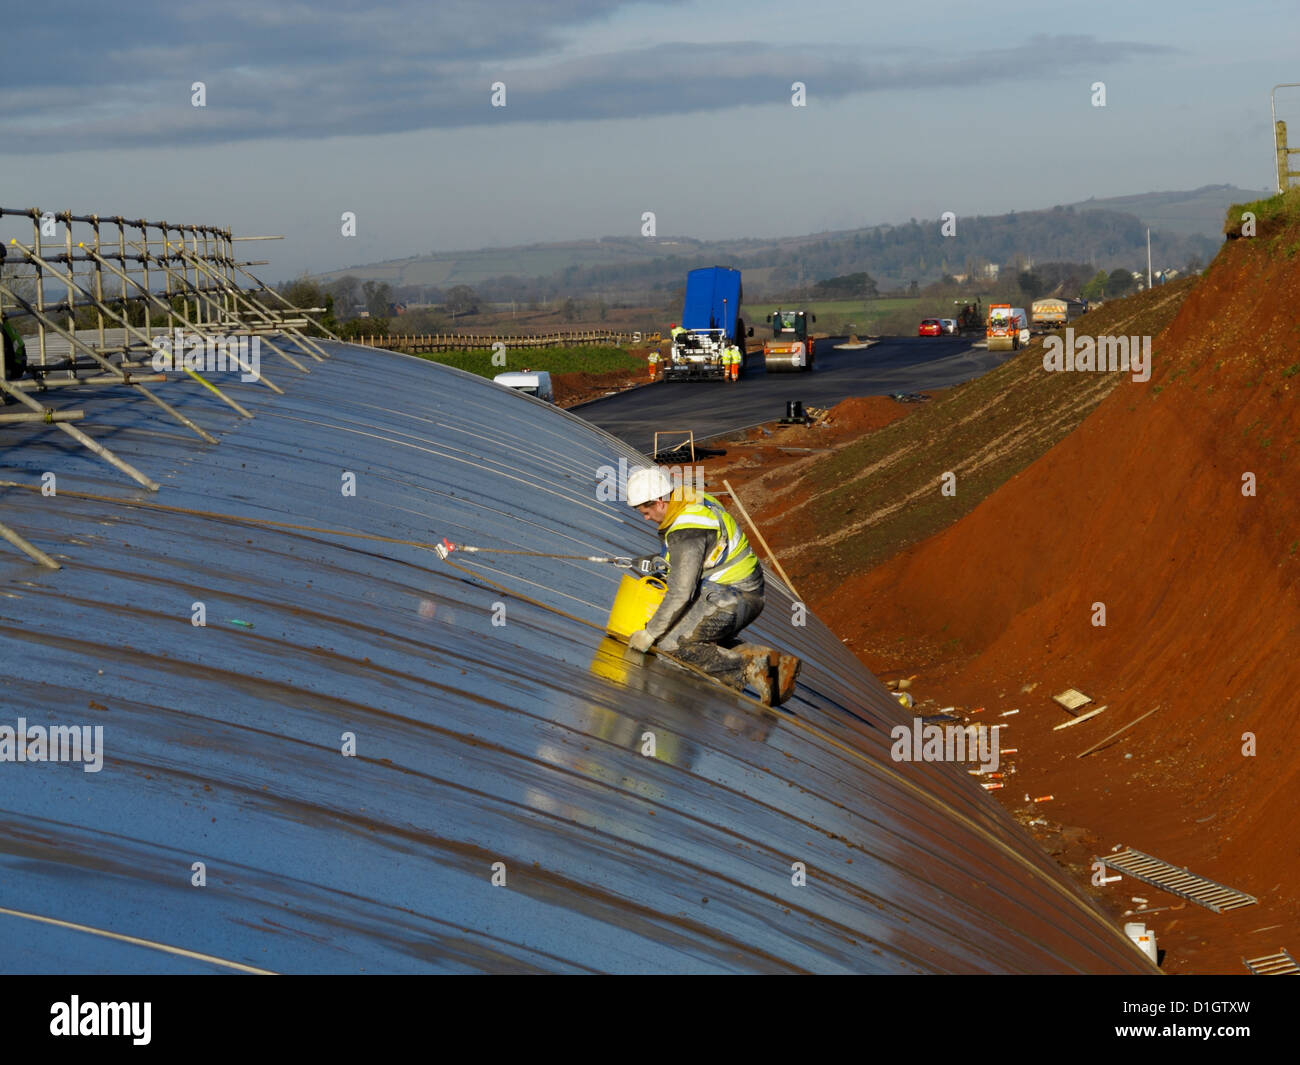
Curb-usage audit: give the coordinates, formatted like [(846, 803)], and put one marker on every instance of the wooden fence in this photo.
[(426, 342)]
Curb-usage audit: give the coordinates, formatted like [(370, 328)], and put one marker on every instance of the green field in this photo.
[(553, 360)]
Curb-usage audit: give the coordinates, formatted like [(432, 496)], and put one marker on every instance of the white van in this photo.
[(532, 382), (1008, 328)]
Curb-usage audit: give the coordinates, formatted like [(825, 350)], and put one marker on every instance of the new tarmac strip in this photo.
[(716, 408)]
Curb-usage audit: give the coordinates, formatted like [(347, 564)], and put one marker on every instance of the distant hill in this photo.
[(1108, 233), (445, 269), (1199, 211), (896, 255)]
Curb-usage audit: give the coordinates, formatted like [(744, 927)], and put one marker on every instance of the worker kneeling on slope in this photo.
[(715, 589)]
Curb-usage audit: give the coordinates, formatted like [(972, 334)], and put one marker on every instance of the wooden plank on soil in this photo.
[(1076, 720)]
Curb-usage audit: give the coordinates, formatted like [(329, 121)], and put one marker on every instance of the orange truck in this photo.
[(1008, 327)]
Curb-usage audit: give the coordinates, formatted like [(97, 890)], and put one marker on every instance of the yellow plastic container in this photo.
[(635, 604)]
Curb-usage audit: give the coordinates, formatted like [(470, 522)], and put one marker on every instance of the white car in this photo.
[(531, 382), (949, 326)]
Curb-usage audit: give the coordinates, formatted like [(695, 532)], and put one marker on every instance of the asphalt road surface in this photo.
[(714, 408)]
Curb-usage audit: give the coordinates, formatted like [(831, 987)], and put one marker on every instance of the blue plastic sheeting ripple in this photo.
[(392, 766)]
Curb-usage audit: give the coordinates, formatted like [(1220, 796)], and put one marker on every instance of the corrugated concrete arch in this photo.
[(475, 743)]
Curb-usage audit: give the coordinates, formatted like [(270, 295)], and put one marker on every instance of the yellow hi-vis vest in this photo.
[(653, 356), (731, 559), (679, 331)]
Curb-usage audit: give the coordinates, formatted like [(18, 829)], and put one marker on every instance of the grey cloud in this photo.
[(328, 70)]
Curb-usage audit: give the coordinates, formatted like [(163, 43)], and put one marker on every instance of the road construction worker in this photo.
[(15, 353), (676, 332), (653, 360), (734, 359), (15, 348), (715, 589)]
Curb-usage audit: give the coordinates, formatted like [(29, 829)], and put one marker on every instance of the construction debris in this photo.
[(1117, 732), (1071, 699), (794, 413), (1144, 940), (1075, 720)]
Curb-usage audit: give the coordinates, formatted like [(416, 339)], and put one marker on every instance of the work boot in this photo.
[(758, 675), (787, 669)]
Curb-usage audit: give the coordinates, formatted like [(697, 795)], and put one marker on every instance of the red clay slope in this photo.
[(1142, 509)]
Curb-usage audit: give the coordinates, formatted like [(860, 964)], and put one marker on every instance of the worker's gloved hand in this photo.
[(640, 641), (648, 565)]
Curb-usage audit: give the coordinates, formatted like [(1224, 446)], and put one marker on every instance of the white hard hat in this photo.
[(644, 485)]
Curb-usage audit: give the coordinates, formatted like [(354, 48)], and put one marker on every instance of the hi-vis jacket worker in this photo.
[(731, 362), (675, 331), (653, 360), (715, 589)]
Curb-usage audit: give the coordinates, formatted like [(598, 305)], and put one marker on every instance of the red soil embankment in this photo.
[(1147, 510)]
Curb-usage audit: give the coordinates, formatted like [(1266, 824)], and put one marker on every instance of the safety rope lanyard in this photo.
[(447, 547)]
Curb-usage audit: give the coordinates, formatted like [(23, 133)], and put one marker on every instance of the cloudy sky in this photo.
[(613, 109)]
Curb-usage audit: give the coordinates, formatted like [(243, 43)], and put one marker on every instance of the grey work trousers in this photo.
[(718, 613)]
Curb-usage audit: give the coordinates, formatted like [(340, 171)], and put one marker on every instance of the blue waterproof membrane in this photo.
[(489, 733)]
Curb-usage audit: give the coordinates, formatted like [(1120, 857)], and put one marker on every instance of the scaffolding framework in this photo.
[(88, 299)]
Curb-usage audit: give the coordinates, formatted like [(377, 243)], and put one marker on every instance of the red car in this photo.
[(931, 327)]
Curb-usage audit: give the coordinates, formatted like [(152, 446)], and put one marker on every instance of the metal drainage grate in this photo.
[(1279, 964), (1178, 881)]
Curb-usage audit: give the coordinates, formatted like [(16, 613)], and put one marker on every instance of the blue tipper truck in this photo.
[(711, 318)]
